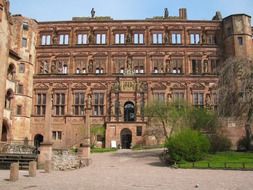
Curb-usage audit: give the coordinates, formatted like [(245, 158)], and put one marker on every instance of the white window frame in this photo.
[(119, 38), (176, 38), (82, 39), (138, 38), (101, 38), (64, 39), (157, 38), (45, 40)]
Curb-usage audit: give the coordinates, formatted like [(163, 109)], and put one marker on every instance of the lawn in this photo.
[(223, 160), (102, 150)]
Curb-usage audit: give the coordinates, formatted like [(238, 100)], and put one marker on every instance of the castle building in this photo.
[(64, 77)]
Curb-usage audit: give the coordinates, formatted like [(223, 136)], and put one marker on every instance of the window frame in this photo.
[(81, 40), (157, 38), (139, 38), (195, 38), (98, 104), (46, 40), (64, 39), (59, 105), (80, 105), (40, 106), (176, 38), (120, 38), (101, 38)]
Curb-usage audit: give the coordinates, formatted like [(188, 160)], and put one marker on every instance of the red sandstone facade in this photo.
[(94, 71)]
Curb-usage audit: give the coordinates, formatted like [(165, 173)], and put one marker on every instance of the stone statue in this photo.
[(91, 37), (53, 67), (92, 12), (90, 66), (55, 37), (166, 38), (129, 36), (166, 13), (89, 101), (129, 63)]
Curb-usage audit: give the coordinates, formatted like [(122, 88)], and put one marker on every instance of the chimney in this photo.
[(183, 13)]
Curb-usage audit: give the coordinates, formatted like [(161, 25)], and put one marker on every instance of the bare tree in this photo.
[(236, 92)]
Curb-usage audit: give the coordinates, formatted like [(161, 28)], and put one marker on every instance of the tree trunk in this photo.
[(164, 130)]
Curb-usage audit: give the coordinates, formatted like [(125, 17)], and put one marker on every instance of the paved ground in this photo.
[(127, 170)]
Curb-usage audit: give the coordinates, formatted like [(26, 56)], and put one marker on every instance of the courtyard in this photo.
[(126, 170)]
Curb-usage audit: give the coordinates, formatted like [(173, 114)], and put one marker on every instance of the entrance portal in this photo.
[(126, 138), (38, 139), (129, 114)]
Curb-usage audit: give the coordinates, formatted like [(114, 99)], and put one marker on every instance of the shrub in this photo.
[(218, 143), (188, 145), (243, 144)]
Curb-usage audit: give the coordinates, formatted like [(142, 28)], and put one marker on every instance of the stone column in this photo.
[(32, 168), (48, 166), (14, 172), (45, 153), (84, 150)]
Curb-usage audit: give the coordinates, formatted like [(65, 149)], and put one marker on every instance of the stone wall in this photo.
[(16, 148), (66, 160)]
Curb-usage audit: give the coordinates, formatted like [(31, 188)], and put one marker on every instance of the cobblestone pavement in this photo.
[(127, 170)]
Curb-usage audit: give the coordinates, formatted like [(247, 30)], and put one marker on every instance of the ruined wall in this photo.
[(4, 53)]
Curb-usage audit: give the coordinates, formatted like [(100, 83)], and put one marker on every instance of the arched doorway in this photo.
[(126, 138), (4, 136), (38, 139), (129, 112)]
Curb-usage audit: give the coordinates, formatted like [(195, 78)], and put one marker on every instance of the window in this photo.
[(157, 38), (45, 40), (159, 96), (98, 107), (41, 104), (240, 40), (177, 96), (20, 89), (64, 39), (79, 103), (21, 68), (119, 65), (157, 65), (100, 38), (138, 38), (65, 69), (196, 66), (119, 38), (194, 38), (82, 39), (24, 42), (175, 66), (25, 26), (59, 104), (81, 65), (211, 39), (176, 38), (139, 131), (56, 135), (100, 65), (214, 66), (198, 99), (19, 110), (138, 66)]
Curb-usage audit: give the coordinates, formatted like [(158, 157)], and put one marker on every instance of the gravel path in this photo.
[(127, 170)]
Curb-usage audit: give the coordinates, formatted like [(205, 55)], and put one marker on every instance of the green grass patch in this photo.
[(102, 150), (141, 147), (223, 160)]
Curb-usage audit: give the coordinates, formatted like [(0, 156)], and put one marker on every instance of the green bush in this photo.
[(219, 143), (187, 145), (243, 144)]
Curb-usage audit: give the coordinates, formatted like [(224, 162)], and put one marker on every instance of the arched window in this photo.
[(11, 72), (129, 111), (9, 95)]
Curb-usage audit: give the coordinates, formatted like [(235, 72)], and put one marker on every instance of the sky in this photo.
[(57, 10)]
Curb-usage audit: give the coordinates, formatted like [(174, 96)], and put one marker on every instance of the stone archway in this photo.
[(38, 139), (129, 112), (126, 138)]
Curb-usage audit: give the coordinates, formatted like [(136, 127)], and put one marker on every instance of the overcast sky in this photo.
[(52, 10)]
